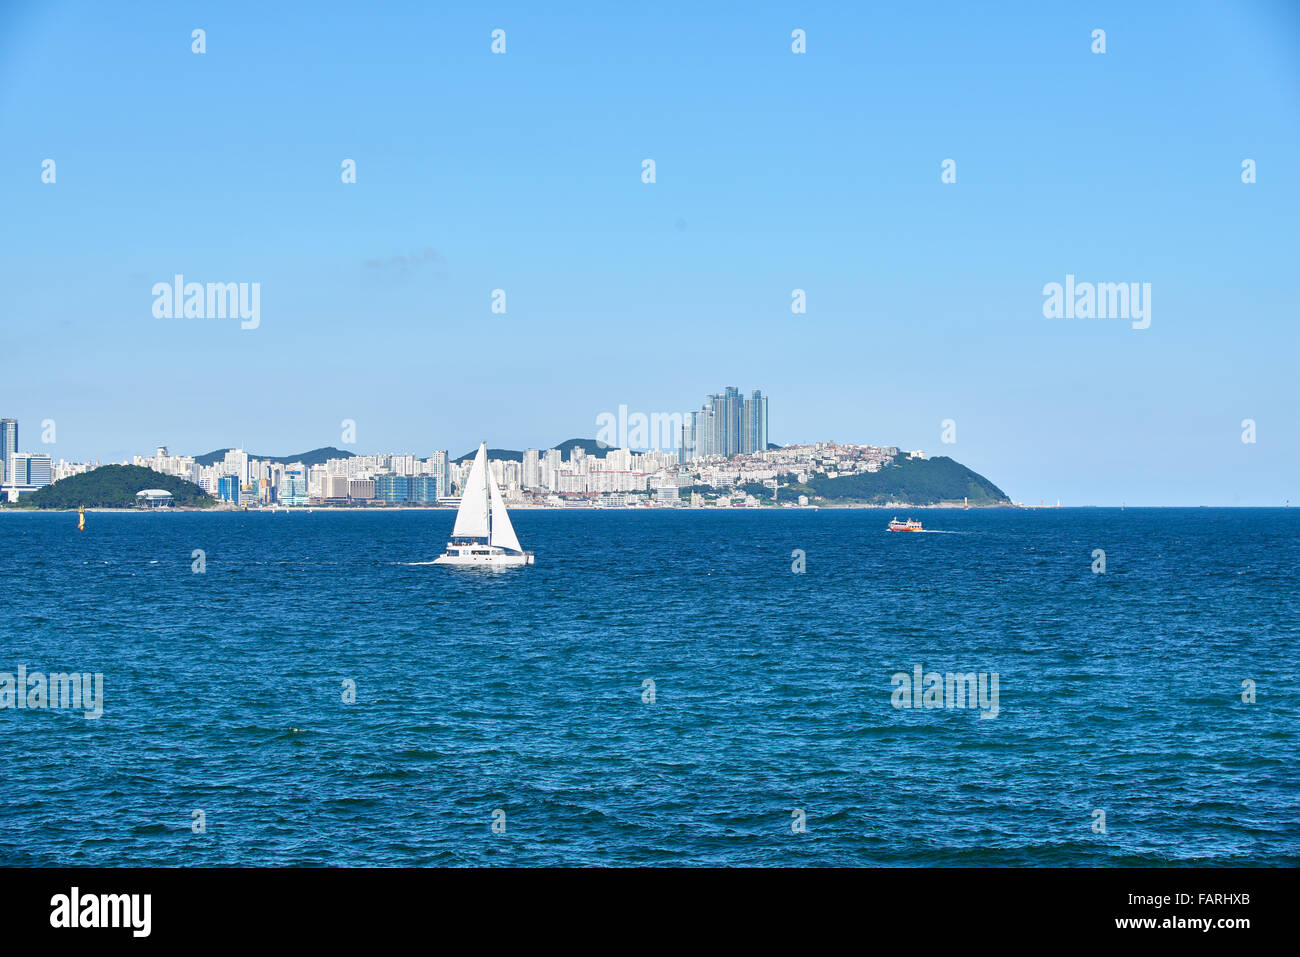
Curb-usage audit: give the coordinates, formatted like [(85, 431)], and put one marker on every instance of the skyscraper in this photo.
[(550, 469), (732, 409), (754, 429), (726, 425), (440, 469), (8, 446), (236, 464)]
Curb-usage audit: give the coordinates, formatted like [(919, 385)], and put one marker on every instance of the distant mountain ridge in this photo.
[(322, 455), (314, 457), (588, 446)]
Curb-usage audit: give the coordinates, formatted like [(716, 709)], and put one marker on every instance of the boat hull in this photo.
[(481, 556)]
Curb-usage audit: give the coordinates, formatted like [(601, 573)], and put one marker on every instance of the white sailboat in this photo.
[(483, 535)]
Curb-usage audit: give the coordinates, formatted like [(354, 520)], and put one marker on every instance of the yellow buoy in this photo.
[(81, 519)]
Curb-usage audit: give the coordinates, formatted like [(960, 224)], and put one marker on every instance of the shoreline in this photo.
[(309, 509), (306, 509), (332, 509)]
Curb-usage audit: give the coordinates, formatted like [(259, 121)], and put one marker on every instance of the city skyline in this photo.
[(554, 477), (724, 461), (40, 468)]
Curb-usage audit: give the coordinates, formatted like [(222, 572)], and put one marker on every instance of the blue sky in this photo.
[(775, 171)]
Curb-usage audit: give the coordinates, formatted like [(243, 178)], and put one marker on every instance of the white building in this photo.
[(29, 469), (236, 463)]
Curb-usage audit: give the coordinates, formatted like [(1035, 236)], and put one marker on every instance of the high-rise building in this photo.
[(532, 470), (440, 469), (617, 460), (236, 464), (293, 488), (727, 425), (754, 427), (732, 410), (550, 469), (228, 488), (8, 446)]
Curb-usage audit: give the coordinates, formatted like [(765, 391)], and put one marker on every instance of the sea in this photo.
[(662, 688)]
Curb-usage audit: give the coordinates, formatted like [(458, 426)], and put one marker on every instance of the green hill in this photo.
[(913, 481), (113, 486)]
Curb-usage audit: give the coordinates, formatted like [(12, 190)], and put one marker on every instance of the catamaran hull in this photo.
[(483, 558)]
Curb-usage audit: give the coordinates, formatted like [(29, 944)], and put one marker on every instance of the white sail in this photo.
[(472, 516), (503, 533)]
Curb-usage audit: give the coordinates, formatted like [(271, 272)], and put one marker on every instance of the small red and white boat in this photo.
[(908, 526)]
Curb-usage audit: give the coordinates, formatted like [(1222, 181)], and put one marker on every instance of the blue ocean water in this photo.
[(522, 691)]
